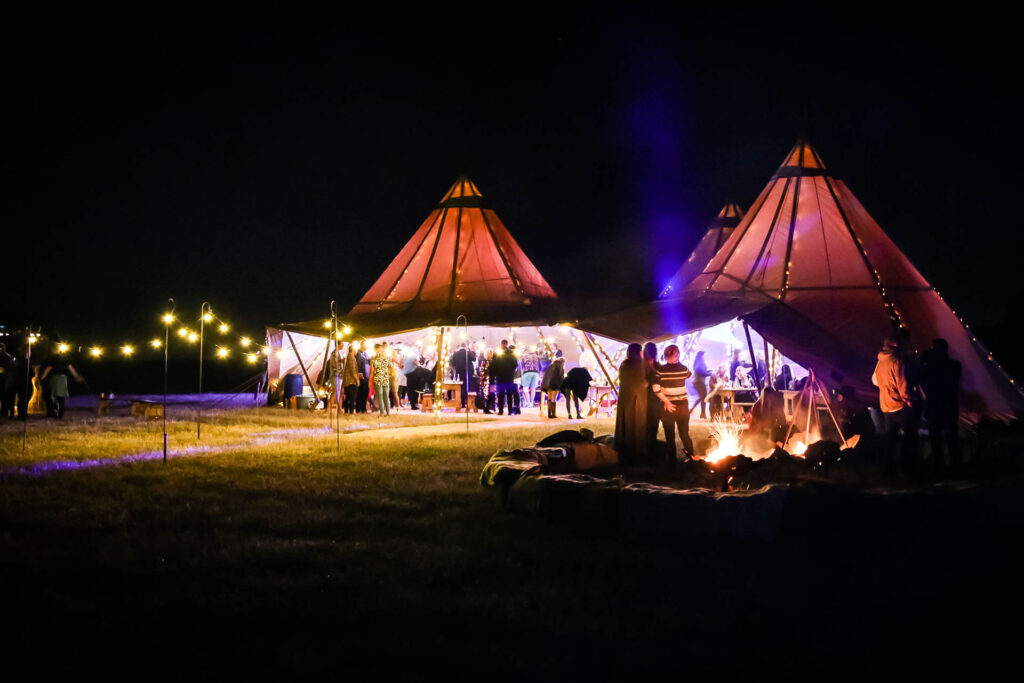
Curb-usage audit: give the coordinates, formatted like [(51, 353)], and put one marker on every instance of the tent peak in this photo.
[(462, 193), (802, 160), (729, 217)]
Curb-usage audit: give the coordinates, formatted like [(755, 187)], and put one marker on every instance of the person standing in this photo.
[(551, 384), (654, 407), (463, 362), (576, 384), (631, 407), (6, 393), (503, 374), (940, 378), (484, 381), (363, 394), (670, 387), (700, 382), (392, 374), (380, 377), (890, 376), (54, 380), (350, 379), (529, 362), (517, 380)]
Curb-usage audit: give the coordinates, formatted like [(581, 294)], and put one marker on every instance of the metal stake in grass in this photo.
[(205, 311), (168, 318), (337, 379), (30, 338), (465, 357)]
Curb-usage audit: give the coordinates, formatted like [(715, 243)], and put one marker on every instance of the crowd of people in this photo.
[(653, 397), (21, 377), (501, 381)]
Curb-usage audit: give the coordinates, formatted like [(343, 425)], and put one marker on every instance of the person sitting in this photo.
[(736, 364), (768, 415)]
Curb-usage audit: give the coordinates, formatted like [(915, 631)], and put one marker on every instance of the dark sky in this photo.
[(270, 162)]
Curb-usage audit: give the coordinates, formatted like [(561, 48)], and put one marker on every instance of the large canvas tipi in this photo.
[(715, 236), (808, 244), (461, 260), (814, 274)]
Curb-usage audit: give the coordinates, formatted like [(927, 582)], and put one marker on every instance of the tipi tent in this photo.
[(461, 260), (815, 275), (717, 233)]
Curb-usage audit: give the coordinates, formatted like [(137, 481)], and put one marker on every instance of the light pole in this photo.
[(168, 318), (205, 315)]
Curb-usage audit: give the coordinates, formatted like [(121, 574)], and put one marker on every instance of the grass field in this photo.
[(388, 558)]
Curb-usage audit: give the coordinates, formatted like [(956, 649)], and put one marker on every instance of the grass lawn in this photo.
[(388, 557)]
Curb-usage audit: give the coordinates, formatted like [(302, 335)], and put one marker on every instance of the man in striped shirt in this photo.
[(670, 386)]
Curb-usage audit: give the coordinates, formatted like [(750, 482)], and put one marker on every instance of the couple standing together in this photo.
[(652, 393)]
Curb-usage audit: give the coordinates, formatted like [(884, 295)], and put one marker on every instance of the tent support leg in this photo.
[(302, 365), (607, 376), (753, 361), (770, 379)]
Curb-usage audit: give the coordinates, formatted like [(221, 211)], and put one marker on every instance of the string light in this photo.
[(62, 348), (156, 343), (251, 357), (95, 352), (192, 337), (327, 324), (208, 317), (245, 341), (223, 329), (168, 318), (222, 352), (346, 330), (127, 349), (182, 332)]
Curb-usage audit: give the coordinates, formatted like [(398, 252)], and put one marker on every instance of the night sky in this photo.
[(272, 162)]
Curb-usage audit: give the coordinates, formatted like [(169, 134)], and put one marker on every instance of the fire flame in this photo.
[(727, 439)]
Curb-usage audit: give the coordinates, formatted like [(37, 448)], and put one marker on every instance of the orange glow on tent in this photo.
[(461, 255)]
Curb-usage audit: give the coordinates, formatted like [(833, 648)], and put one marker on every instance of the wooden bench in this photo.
[(470, 403), (147, 409), (426, 402)]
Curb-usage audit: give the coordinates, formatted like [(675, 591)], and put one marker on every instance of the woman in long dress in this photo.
[(631, 409)]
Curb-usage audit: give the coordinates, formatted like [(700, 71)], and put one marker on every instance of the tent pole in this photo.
[(770, 379), (812, 380), (828, 406), (753, 361), (301, 365), (607, 376)]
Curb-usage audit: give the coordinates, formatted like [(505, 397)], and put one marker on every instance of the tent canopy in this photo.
[(817, 277), (719, 230), (461, 260)]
